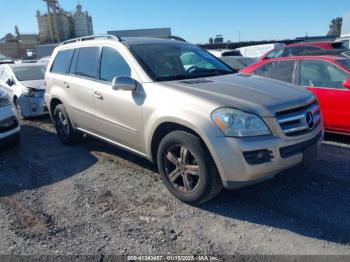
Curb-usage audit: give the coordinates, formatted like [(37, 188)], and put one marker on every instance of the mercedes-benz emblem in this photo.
[(309, 118)]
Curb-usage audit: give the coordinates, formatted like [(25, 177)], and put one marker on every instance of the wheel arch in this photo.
[(165, 128), (53, 103)]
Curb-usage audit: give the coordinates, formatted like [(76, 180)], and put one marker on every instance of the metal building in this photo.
[(58, 25), (82, 22)]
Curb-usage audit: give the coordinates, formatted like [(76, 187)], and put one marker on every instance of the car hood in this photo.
[(36, 84), (254, 94)]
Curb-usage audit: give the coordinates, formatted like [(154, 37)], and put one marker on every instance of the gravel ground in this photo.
[(96, 199)]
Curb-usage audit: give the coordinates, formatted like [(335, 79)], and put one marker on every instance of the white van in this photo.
[(257, 51)]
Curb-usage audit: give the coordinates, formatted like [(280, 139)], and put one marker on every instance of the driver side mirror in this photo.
[(346, 83), (9, 82), (125, 83)]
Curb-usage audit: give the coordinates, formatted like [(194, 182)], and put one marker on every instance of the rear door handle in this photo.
[(98, 95), (66, 85)]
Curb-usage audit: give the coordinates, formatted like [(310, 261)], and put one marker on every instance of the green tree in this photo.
[(211, 40), (335, 27)]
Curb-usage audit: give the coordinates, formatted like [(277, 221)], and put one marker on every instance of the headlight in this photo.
[(233, 122), (27, 91), (5, 101)]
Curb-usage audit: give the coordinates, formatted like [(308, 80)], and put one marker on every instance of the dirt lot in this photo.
[(97, 199)]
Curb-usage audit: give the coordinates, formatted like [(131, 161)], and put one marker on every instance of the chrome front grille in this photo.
[(300, 120)]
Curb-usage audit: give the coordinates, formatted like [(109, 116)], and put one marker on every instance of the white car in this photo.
[(224, 52), (45, 59), (25, 84), (9, 123), (257, 51)]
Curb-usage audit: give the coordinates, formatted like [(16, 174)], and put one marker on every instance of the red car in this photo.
[(300, 48), (328, 77)]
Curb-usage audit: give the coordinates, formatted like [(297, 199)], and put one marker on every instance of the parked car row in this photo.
[(302, 48), (183, 108)]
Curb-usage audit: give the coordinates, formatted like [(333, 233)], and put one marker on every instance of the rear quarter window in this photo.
[(62, 61)]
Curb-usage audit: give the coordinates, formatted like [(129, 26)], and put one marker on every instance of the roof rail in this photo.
[(91, 37), (176, 38)]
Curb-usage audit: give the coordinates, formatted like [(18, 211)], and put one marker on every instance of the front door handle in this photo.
[(66, 85), (98, 95)]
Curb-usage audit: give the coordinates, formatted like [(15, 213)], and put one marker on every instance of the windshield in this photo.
[(28, 73), (239, 63), (345, 63), (165, 62)]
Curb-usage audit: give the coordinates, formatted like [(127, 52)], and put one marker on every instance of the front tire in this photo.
[(187, 168), (65, 130)]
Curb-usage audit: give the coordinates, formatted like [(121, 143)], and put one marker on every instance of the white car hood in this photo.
[(36, 84)]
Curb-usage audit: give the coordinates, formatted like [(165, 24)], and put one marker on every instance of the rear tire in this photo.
[(67, 134), (187, 169)]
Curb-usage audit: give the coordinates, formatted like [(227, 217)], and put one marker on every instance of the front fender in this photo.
[(197, 121)]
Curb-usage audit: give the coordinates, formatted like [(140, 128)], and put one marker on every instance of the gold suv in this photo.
[(174, 103)]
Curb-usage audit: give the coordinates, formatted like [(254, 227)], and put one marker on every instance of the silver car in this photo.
[(9, 123), (25, 84), (177, 105)]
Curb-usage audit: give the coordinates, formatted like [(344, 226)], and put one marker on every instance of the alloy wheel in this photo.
[(62, 124), (182, 168)]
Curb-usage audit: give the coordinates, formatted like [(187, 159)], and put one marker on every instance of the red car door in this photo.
[(325, 80)]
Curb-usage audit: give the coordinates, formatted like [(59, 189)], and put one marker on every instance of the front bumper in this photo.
[(32, 106), (235, 169), (9, 125)]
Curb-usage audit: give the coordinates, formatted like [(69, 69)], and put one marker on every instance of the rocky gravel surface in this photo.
[(95, 199)]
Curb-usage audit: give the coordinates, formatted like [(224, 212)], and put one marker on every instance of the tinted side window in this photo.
[(312, 48), (113, 65), (62, 61), (292, 51), (275, 53), (321, 74), (282, 70), (73, 64), (87, 62)]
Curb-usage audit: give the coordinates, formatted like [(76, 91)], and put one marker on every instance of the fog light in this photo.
[(258, 156)]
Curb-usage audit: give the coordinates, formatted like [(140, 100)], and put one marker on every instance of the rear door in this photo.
[(325, 80), (118, 113), (82, 76)]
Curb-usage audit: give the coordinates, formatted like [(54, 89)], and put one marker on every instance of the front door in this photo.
[(118, 113), (325, 80)]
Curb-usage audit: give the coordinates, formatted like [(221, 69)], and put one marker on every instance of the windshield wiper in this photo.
[(206, 73)]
